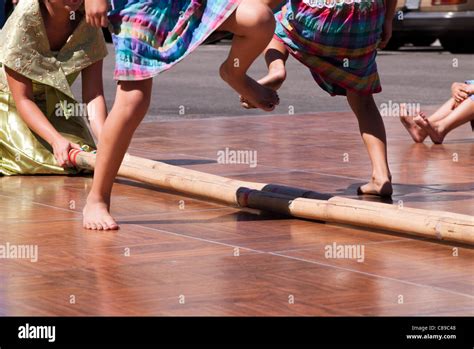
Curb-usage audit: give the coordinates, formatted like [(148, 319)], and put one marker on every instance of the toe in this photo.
[(111, 224)]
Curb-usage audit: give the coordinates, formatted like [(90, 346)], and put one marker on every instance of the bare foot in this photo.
[(423, 122), (273, 80), (97, 217), (258, 95), (376, 187), (417, 133)]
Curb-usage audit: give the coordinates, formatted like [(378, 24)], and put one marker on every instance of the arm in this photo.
[(96, 12), (460, 91), (93, 96), (22, 92), (390, 7), (470, 89)]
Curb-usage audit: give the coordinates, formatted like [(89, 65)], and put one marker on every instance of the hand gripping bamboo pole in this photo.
[(296, 202)]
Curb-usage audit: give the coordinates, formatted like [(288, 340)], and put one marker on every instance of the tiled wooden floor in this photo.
[(189, 257)]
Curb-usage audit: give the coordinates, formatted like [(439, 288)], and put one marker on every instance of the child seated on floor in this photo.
[(458, 110)]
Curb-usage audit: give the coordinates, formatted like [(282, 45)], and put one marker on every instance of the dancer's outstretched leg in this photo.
[(276, 55), (253, 26)]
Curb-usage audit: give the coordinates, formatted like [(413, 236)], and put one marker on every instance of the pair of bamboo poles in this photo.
[(295, 202)]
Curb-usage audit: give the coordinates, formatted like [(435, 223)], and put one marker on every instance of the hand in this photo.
[(386, 33), (459, 92), (15, 2), (61, 147), (96, 13)]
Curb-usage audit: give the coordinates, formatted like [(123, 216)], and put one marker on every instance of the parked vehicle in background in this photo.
[(421, 22)]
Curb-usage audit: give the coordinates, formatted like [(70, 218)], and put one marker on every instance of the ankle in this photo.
[(228, 72), (381, 177), (98, 198), (440, 128), (278, 71)]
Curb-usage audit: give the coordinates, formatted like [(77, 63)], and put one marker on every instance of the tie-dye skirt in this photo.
[(336, 39), (150, 36)]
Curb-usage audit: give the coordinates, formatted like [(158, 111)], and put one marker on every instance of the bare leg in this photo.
[(416, 132), (443, 111), (131, 104), (276, 56), (372, 130), (253, 26), (438, 129)]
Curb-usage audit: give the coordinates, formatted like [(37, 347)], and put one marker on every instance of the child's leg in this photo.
[(443, 111), (276, 56), (131, 104), (416, 132), (253, 26), (372, 130), (438, 128)]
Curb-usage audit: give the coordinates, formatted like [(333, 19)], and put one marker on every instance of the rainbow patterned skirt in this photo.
[(150, 36), (336, 39)]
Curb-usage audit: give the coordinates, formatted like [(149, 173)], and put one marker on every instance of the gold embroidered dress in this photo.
[(24, 48)]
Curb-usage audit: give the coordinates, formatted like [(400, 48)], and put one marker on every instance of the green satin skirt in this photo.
[(22, 152)]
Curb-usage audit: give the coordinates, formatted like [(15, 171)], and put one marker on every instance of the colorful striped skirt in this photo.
[(336, 39), (150, 36)]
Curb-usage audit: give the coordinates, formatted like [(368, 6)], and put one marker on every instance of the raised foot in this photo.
[(260, 96), (273, 80)]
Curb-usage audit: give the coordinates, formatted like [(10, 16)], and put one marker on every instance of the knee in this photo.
[(135, 102), (258, 17), (138, 103)]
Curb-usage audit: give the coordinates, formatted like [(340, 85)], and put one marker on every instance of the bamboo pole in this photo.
[(296, 202)]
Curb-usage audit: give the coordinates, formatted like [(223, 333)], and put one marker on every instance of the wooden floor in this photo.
[(190, 257)]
